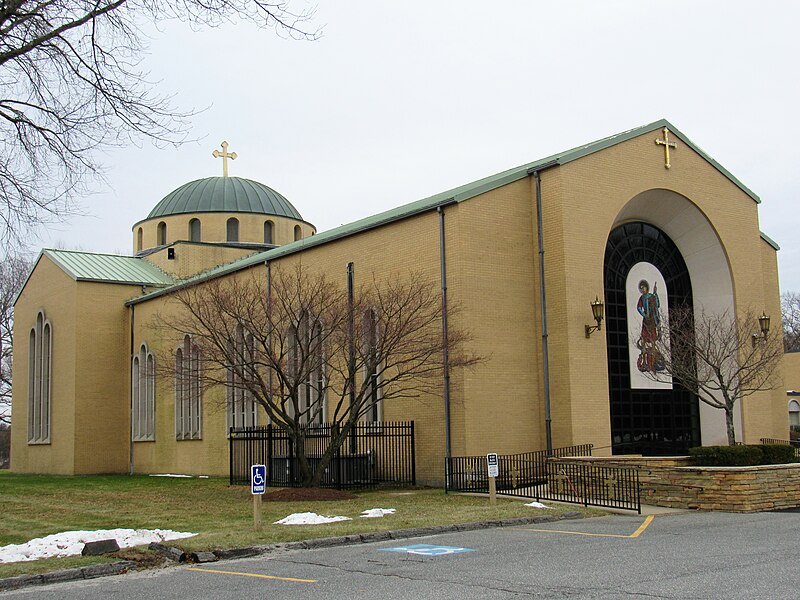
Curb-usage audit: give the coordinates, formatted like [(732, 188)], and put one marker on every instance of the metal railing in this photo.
[(372, 454), (534, 475), (794, 443)]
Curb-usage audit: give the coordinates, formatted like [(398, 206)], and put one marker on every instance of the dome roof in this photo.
[(224, 194)]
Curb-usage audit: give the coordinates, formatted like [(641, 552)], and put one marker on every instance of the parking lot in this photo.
[(685, 555)]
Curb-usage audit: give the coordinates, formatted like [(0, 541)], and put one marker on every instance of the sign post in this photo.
[(493, 470), (258, 485)]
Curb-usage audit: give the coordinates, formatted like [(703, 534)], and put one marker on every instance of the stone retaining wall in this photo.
[(671, 482)]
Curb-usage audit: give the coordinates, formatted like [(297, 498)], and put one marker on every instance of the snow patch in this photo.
[(537, 505), (70, 543), (309, 518), (373, 513)]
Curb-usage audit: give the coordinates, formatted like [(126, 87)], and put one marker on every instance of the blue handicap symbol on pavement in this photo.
[(428, 550)]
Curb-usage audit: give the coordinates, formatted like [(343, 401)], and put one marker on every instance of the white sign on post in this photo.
[(493, 469)]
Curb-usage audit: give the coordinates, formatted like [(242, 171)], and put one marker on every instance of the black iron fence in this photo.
[(372, 454), (534, 475), (468, 473), (793, 443)]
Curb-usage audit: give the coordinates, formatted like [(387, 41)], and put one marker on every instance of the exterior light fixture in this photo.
[(763, 325), (597, 315)]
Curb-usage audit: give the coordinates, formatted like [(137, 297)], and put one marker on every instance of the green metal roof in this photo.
[(109, 268), (224, 194), (455, 195)]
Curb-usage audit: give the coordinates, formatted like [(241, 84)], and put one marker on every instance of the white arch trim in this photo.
[(709, 272)]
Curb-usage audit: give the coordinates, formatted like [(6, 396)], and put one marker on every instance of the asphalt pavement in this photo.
[(664, 556)]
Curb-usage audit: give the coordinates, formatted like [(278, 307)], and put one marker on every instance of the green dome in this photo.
[(224, 194)]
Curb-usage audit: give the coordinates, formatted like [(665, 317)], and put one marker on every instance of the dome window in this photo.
[(298, 233), (194, 230), (268, 229), (139, 236), (233, 229), (162, 234)]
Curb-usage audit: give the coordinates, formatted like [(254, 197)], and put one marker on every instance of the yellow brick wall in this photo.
[(213, 228), (51, 290), (192, 258)]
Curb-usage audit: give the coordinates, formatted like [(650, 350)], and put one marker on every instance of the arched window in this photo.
[(242, 407), (188, 388), (794, 414), (143, 392), (139, 236), (269, 227), (162, 234), (372, 406), (233, 229), (39, 384), (194, 230), (307, 369), (298, 233)]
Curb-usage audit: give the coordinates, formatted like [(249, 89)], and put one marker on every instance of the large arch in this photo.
[(707, 263)]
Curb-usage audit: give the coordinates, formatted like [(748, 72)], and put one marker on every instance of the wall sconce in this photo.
[(597, 314), (763, 325)]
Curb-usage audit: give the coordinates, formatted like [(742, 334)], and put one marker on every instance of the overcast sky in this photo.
[(401, 100)]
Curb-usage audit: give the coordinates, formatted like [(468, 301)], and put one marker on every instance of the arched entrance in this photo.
[(647, 416)]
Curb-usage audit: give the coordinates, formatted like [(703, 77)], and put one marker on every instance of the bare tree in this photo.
[(307, 354), (71, 82), (790, 314), (13, 272), (717, 356)]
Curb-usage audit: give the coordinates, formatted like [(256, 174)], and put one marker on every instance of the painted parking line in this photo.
[(275, 577), (635, 534)]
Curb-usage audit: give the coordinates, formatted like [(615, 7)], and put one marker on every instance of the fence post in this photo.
[(230, 456), (270, 474), (413, 457)]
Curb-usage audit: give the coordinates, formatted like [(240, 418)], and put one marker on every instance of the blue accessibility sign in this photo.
[(258, 479), (428, 550)]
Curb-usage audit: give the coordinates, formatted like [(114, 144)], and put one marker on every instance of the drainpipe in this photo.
[(351, 332), (130, 370), (543, 303), (448, 450)]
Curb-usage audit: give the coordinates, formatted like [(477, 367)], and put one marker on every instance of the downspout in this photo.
[(351, 362), (130, 370), (448, 450), (543, 303)]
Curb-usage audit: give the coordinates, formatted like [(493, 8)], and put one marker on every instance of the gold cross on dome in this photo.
[(667, 145), (225, 156)]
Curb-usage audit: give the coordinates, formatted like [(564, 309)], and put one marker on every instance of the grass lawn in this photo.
[(33, 506)]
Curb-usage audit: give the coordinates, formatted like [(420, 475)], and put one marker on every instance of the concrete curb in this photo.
[(90, 572), (118, 568)]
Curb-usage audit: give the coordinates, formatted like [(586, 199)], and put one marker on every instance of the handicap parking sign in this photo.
[(258, 479), (428, 550)]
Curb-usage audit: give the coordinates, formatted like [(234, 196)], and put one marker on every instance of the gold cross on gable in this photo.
[(667, 145), (225, 156)]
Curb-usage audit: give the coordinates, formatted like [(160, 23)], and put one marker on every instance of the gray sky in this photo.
[(401, 100)]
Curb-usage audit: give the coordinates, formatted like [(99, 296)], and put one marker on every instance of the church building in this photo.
[(559, 268)]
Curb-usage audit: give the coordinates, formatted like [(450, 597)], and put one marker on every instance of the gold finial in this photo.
[(667, 145), (225, 156)]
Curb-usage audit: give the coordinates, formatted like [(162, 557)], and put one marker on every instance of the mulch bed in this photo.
[(307, 495)]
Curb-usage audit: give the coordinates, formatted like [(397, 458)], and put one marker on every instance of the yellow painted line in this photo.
[(252, 575), (635, 534)]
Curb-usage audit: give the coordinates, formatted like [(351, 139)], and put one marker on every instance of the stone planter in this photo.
[(671, 482)]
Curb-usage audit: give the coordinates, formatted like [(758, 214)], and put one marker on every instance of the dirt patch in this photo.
[(307, 495)]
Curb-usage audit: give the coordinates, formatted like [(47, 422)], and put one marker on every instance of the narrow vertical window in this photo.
[(268, 231), (298, 233), (188, 391), (242, 407), (39, 380), (194, 230), (233, 229), (143, 396), (162, 234), (139, 238), (372, 397)]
